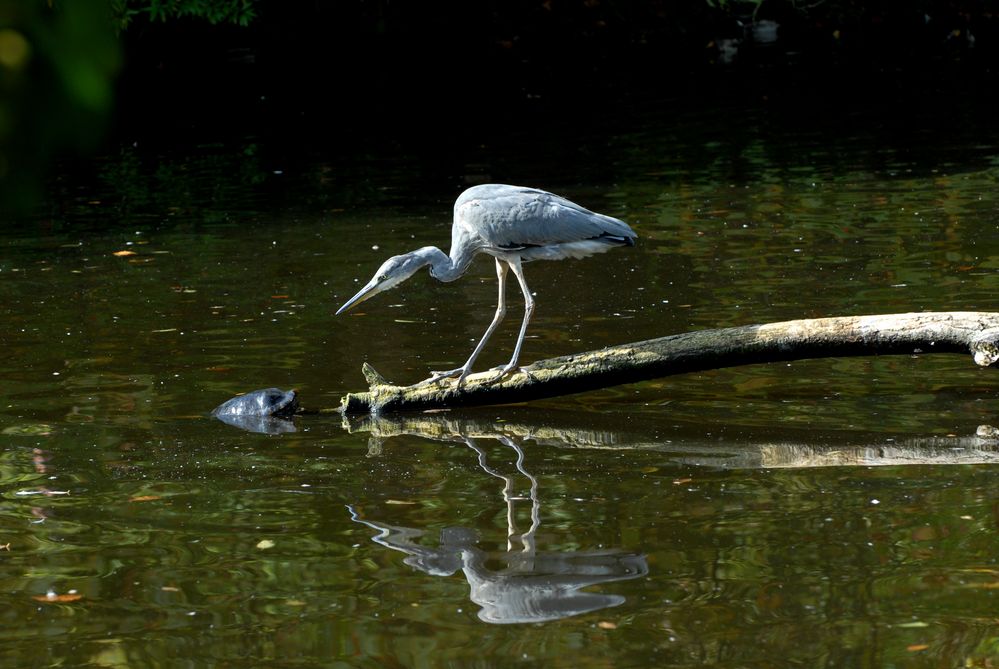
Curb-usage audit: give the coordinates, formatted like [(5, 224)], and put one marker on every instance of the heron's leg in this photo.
[(511, 366), (501, 268), (464, 370)]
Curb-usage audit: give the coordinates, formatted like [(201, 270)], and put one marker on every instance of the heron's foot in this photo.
[(504, 371), (460, 373)]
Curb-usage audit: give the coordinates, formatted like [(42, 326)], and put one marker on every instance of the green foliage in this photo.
[(58, 62), (730, 4), (237, 12)]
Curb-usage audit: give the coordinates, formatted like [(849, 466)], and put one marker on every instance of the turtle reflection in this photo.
[(520, 584)]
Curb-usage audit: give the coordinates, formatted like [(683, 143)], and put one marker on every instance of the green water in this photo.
[(757, 516)]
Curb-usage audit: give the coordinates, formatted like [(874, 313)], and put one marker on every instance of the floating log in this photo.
[(883, 334)]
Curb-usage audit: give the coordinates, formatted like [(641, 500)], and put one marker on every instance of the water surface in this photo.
[(818, 513)]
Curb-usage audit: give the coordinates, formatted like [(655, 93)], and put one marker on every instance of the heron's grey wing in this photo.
[(510, 217)]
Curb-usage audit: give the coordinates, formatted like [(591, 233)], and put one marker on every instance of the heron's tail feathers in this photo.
[(581, 249), (617, 240)]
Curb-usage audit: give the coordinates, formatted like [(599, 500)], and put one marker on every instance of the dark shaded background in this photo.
[(325, 72), (305, 80)]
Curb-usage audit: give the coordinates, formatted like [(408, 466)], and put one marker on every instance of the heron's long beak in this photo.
[(372, 288)]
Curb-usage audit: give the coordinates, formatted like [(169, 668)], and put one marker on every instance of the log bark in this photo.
[(884, 334)]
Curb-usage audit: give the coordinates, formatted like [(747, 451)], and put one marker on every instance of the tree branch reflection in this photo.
[(726, 450)]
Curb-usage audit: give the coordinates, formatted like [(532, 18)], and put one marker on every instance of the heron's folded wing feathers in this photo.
[(525, 217)]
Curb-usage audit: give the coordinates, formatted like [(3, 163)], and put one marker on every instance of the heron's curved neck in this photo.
[(442, 267)]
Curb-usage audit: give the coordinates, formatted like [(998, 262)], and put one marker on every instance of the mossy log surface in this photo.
[(976, 333)]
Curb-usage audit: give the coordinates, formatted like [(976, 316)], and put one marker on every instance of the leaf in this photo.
[(28, 430), (52, 598)]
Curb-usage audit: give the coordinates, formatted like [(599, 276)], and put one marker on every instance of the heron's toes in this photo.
[(504, 371), (460, 372)]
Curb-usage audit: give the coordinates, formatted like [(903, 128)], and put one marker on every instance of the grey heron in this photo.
[(515, 225)]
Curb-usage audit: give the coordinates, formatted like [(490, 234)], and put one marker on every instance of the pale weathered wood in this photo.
[(884, 334)]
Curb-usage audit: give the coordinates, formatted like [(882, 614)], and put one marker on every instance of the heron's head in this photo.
[(393, 271)]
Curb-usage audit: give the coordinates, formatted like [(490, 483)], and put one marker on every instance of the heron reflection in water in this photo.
[(520, 584), (515, 225)]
